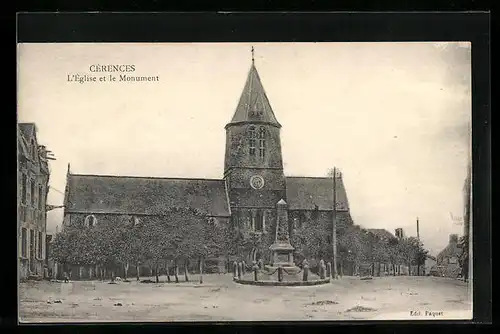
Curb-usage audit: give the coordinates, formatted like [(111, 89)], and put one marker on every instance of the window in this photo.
[(33, 149), (32, 243), (40, 244), (24, 189), (40, 198), (262, 142), (259, 222), (33, 193), (24, 242), (90, 221), (251, 140)]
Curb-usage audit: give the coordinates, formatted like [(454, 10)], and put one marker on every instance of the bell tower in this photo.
[(253, 165)]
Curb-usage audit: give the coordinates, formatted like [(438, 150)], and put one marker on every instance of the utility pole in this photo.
[(334, 224), (418, 231), (418, 249)]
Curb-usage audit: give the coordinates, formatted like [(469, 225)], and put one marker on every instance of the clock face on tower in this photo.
[(257, 182)]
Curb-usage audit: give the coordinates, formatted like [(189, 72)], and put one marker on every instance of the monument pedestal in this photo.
[(282, 250)]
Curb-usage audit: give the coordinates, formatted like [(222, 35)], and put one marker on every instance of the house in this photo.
[(447, 264), (33, 186), (246, 196)]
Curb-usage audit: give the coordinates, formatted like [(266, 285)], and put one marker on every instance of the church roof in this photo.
[(144, 195), (381, 233), (305, 193), (254, 104)]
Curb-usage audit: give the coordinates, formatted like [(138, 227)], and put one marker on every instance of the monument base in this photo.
[(291, 269)]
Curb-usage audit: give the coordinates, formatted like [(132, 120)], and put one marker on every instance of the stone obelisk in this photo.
[(282, 250)]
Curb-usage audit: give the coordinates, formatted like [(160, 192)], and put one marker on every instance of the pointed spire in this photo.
[(69, 170), (253, 59), (254, 105)]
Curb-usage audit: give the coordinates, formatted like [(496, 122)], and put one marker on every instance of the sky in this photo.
[(393, 117)]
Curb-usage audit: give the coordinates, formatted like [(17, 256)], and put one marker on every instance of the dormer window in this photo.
[(251, 139), (90, 221), (262, 142)]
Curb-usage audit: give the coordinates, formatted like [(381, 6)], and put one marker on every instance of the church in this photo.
[(246, 195)]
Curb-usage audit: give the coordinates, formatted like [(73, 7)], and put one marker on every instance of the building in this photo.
[(33, 180), (246, 196), (447, 261)]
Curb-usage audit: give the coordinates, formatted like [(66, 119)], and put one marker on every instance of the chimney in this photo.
[(42, 150), (399, 233), (453, 238)]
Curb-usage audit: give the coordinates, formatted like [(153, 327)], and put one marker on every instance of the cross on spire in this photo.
[(253, 59)]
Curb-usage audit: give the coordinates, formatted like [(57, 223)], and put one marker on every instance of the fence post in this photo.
[(280, 274), (243, 267), (328, 269), (305, 272), (240, 265), (235, 269), (255, 271)]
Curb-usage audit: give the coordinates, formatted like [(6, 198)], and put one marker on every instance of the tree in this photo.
[(350, 246), (129, 249), (394, 256), (310, 242), (156, 242), (412, 252), (420, 255)]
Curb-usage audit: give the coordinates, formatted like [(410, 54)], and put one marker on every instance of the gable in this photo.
[(143, 195)]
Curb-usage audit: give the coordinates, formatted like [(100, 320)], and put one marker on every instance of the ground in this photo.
[(220, 299)]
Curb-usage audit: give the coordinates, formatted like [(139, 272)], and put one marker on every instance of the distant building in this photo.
[(33, 185), (430, 262), (447, 263)]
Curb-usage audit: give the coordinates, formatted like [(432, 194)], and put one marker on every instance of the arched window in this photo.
[(251, 139), (262, 142), (90, 221), (259, 221)]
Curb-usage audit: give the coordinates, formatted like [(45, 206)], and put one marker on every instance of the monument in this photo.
[(282, 271), (281, 249)]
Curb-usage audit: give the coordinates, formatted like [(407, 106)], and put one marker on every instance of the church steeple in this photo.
[(254, 105), (253, 164)]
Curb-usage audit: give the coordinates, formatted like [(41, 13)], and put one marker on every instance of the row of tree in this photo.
[(181, 234), (164, 240), (361, 247)]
